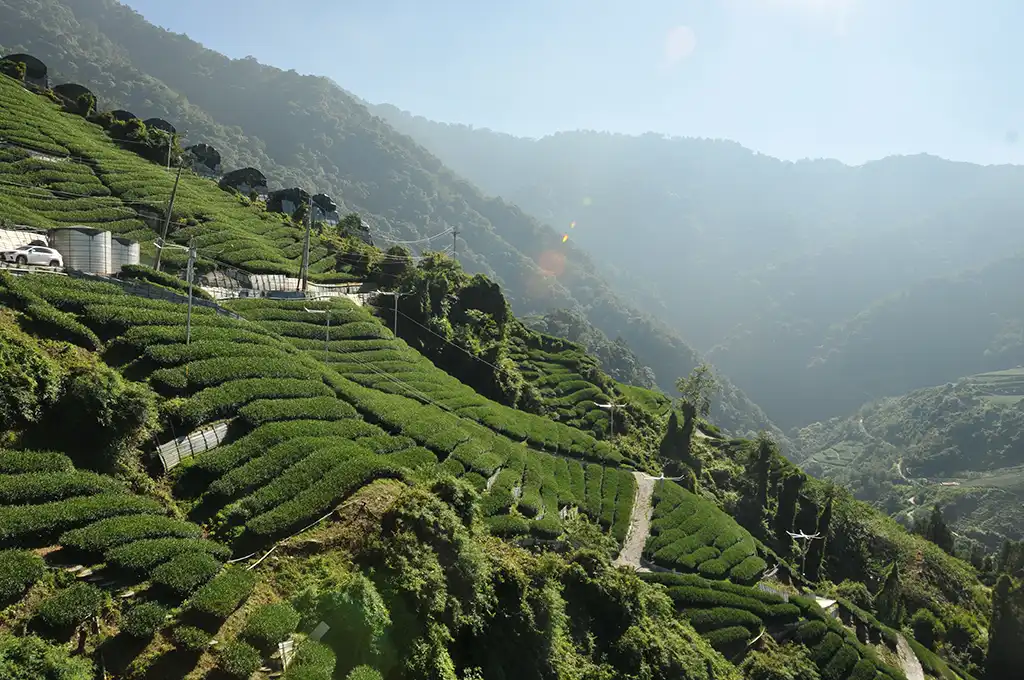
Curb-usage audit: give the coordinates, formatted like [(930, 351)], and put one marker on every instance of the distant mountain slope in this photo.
[(957, 444), (748, 257), (306, 131)]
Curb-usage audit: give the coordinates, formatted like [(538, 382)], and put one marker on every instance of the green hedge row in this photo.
[(185, 572), (312, 661), (288, 482), (624, 498), (704, 620), (37, 487), (143, 556), (314, 408), (225, 400), (114, 531), (16, 462), (39, 524), (144, 619), (71, 606), (19, 569), (312, 503), (270, 625), (206, 373), (724, 638), (176, 354), (223, 594)]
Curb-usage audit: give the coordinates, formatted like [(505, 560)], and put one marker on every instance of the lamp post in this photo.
[(327, 338)]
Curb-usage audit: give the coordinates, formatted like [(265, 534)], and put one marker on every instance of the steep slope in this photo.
[(957, 445), (306, 131), (749, 257)]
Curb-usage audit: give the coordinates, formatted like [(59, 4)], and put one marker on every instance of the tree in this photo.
[(350, 225), (935, 529), (928, 629), (815, 558), (785, 515), (1006, 631), (889, 598), (698, 388), (14, 69)]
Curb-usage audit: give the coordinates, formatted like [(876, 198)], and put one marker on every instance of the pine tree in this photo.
[(889, 599), (1006, 631), (938, 532), (815, 559), (785, 515)]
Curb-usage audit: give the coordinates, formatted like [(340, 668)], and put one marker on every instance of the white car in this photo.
[(37, 255)]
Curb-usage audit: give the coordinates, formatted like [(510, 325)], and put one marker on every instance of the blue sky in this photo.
[(850, 79)]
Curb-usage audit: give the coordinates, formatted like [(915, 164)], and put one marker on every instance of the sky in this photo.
[(850, 79)]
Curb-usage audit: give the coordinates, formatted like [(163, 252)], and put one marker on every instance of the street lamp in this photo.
[(327, 338), (189, 270)]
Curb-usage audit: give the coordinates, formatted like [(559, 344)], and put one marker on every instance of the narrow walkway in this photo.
[(639, 523), (908, 660)]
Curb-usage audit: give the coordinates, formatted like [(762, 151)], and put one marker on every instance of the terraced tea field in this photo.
[(58, 169), (1001, 387)]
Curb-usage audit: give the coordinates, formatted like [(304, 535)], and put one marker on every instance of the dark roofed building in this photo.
[(287, 201), (325, 210), (160, 124), (245, 181), (36, 72), (205, 160), (71, 91)]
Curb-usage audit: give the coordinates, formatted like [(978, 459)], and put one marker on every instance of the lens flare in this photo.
[(565, 237), (572, 225)]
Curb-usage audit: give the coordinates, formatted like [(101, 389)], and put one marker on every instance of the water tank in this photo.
[(122, 251), (83, 248)]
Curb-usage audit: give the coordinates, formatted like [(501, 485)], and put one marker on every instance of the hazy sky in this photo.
[(852, 79)]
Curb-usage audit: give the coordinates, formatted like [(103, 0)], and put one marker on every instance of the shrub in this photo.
[(142, 556), (190, 638), (928, 629), (28, 657), (71, 606), (857, 593), (238, 659), (749, 570), (723, 638), (508, 525), (108, 533), (312, 661), (722, 617), (224, 400), (144, 620), (364, 673), (223, 594), (312, 408), (35, 487), (14, 462), (38, 524), (841, 663), (186, 572), (270, 624), (19, 569)]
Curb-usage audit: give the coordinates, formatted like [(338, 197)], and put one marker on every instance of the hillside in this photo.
[(448, 502), (957, 445), (306, 131), (759, 262)]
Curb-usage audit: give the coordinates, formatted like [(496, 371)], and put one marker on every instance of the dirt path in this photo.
[(639, 522), (908, 660)]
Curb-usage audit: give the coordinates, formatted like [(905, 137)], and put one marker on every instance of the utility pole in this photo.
[(167, 220), (327, 338), (395, 294), (455, 242), (304, 272), (189, 271)]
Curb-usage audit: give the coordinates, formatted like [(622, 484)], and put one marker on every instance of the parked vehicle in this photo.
[(33, 254)]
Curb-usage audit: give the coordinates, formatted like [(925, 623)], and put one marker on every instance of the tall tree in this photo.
[(889, 599), (785, 515), (698, 389), (1006, 631), (815, 558), (935, 529)]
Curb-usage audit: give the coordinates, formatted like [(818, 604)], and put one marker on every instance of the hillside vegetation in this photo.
[(957, 445), (448, 501), (814, 286), (306, 131)]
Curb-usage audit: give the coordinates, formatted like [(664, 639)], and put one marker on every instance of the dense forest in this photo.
[(306, 131), (814, 286)]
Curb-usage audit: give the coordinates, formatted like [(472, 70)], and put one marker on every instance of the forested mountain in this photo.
[(959, 445), (306, 131), (770, 266)]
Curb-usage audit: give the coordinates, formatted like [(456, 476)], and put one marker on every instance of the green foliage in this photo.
[(19, 569), (108, 533), (238, 659), (144, 555), (935, 530), (312, 661), (889, 598), (190, 638), (928, 629), (30, 658), (1006, 632), (14, 462), (787, 662), (364, 673), (185, 572), (698, 389), (223, 594), (270, 624), (13, 69), (70, 606), (36, 487), (143, 620), (38, 524)]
